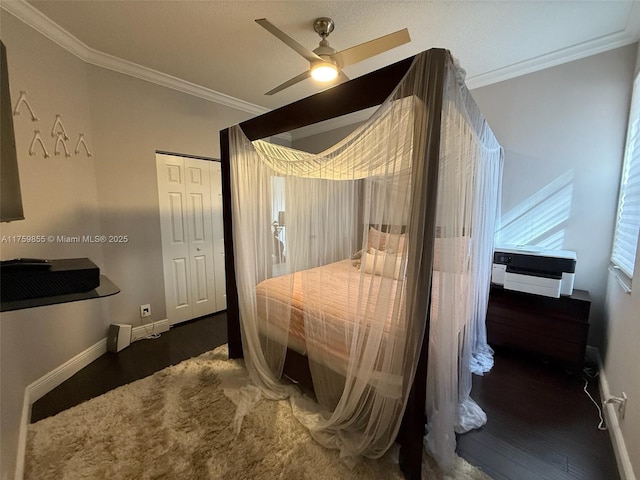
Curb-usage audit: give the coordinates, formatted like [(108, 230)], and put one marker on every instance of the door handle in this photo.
[(198, 249)]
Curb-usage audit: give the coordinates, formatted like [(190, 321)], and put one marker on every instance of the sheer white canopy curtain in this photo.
[(353, 292)]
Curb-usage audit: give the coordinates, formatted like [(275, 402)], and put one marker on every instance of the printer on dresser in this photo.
[(539, 271), (533, 306)]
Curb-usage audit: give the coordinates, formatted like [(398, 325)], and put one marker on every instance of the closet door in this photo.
[(175, 242), (200, 236), (186, 220)]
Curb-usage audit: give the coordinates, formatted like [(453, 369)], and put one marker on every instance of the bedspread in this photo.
[(336, 298)]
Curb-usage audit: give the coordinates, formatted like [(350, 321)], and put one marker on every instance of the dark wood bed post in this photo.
[(233, 313), (410, 436), (352, 96)]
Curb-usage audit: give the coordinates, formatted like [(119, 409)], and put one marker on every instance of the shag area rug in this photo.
[(178, 424)]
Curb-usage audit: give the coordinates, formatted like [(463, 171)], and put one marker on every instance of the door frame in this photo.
[(186, 156)]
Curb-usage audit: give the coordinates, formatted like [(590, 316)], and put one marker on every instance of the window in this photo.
[(625, 241)]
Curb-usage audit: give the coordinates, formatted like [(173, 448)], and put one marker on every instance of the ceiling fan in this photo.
[(325, 63)]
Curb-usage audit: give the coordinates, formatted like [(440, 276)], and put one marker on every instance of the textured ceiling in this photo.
[(217, 44)]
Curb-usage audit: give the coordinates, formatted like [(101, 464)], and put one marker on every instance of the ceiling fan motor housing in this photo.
[(323, 26), (324, 50)]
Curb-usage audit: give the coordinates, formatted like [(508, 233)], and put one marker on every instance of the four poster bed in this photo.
[(389, 336)]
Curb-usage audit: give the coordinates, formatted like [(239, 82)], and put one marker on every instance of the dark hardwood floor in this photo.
[(541, 425), (139, 360)]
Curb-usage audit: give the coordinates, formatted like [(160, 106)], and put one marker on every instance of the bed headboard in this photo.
[(388, 228)]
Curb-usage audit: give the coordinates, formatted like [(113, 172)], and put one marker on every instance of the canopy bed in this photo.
[(379, 307)]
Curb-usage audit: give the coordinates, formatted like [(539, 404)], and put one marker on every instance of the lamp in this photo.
[(278, 224), (324, 71)]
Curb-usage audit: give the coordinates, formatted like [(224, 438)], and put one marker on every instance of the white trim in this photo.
[(40, 22), (47, 27), (623, 280), (22, 435), (38, 389), (625, 469), (143, 331), (51, 380), (54, 32), (57, 376), (618, 39), (44, 385)]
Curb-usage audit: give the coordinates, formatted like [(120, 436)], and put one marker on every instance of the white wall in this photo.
[(60, 197), (132, 119), (563, 131), (622, 358), (125, 120)]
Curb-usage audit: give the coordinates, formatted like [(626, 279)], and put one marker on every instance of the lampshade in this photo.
[(281, 218), (324, 71)]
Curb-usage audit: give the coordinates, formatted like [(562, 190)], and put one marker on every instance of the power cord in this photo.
[(153, 335), (592, 373)]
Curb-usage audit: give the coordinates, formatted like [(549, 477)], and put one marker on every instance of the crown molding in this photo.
[(41, 23), (602, 44), (54, 32)]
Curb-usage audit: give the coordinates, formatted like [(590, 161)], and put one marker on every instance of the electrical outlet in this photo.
[(145, 310), (621, 402)]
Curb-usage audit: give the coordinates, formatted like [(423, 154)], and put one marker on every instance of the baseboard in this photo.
[(22, 436), (625, 469), (51, 380), (143, 331), (38, 389)]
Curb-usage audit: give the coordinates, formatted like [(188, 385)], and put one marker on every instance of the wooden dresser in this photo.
[(553, 328)]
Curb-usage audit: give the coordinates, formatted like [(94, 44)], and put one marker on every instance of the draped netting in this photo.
[(352, 290)]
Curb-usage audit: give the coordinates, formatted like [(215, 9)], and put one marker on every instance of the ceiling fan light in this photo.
[(324, 71)]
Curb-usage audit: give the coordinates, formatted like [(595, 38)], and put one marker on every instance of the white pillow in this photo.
[(386, 265), (373, 261), (389, 242)]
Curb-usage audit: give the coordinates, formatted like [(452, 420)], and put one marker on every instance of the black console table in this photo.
[(106, 289), (553, 328)]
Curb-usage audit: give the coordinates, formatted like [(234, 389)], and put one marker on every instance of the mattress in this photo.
[(335, 298)]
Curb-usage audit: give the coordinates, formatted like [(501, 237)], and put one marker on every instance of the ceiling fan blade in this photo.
[(305, 52), (288, 83), (371, 48)]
